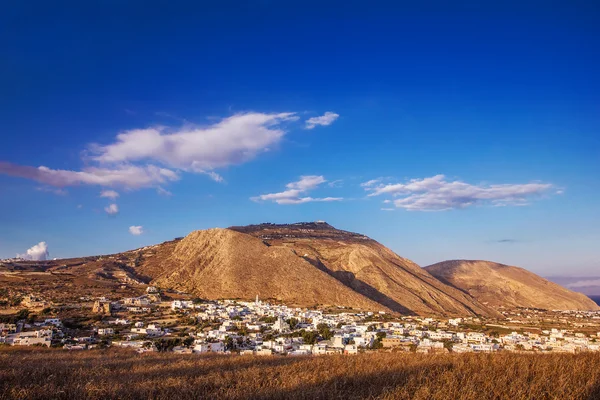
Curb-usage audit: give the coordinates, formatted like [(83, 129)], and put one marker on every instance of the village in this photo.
[(191, 325)]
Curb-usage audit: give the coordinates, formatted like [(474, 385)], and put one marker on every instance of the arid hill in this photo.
[(367, 267), (499, 285), (304, 264), (222, 263)]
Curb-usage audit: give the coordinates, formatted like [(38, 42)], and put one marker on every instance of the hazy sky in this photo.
[(448, 131)]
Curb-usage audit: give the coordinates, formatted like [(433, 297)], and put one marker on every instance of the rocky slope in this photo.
[(304, 264), (368, 268), (499, 285), (222, 263)]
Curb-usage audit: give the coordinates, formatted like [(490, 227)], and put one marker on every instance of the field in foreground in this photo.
[(102, 374)]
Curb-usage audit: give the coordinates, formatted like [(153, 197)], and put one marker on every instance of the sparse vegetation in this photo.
[(104, 374)]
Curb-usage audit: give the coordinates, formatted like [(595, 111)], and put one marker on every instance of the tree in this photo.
[(167, 344), (188, 341), (448, 345), (310, 337), (229, 343), (324, 331), (268, 337), (23, 314), (293, 322), (31, 318), (381, 335)]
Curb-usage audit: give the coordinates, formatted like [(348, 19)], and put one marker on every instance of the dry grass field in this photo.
[(120, 374)]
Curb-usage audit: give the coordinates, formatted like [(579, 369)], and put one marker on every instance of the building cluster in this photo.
[(147, 323)]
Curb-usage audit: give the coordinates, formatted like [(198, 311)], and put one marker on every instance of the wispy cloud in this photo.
[(295, 192), (111, 194), (437, 194), (371, 183), (155, 156), (326, 119), (136, 230), (584, 283), (38, 252), (507, 241), (129, 176), (53, 190), (163, 192), (112, 209)]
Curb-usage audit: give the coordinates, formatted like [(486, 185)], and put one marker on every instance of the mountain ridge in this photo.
[(304, 264)]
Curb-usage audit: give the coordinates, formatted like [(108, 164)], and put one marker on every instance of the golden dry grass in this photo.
[(120, 374)]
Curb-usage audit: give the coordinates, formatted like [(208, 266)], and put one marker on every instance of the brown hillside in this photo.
[(368, 268), (222, 263), (499, 285)]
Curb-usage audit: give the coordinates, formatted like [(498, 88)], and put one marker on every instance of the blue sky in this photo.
[(477, 125)]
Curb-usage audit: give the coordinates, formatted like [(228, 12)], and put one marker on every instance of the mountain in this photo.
[(305, 264), (223, 263), (499, 285)]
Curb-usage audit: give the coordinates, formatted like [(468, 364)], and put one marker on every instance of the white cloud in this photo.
[(136, 230), (163, 191), (130, 176), (302, 200), (323, 120), (39, 252), (214, 176), (233, 140), (371, 183), (584, 283), (157, 155), (111, 194), (112, 209), (295, 191), (56, 191), (437, 194), (388, 209)]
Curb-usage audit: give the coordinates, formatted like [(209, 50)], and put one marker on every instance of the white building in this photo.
[(106, 331)]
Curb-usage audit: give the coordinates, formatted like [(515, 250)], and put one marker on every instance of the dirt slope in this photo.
[(369, 268), (222, 263), (499, 285)]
